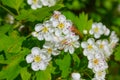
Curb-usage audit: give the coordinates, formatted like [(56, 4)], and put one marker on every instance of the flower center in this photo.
[(61, 26), (95, 61), (49, 50), (90, 47), (34, 1), (45, 29), (96, 29), (56, 16), (37, 58), (101, 46)]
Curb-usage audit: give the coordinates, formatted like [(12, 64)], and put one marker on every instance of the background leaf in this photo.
[(15, 4)]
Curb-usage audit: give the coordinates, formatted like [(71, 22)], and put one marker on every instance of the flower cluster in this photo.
[(39, 3), (58, 36), (57, 32), (100, 50)]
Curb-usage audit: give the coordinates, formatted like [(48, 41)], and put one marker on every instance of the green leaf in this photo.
[(12, 43), (64, 65), (76, 60), (81, 22), (37, 15), (25, 75), (5, 28), (12, 70), (117, 53), (15, 4), (43, 75), (84, 23)]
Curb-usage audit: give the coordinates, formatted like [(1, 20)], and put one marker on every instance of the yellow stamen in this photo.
[(34, 1), (101, 46), (96, 61), (90, 47), (96, 29), (49, 50), (45, 29), (37, 58), (61, 26)]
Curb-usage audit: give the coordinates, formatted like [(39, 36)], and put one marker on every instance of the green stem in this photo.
[(7, 10)]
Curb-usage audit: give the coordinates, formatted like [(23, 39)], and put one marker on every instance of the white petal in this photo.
[(107, 32), (71, 49), (35, 51), (84, 44), (35, 66), (35, 34), (45, 2), (97, 36), (58, 32), (40, 37), (38, 27), (34, 7), (55, 52), (62, 18), (29, 1), (91, 41), (42, 66), (76, 44), (55, 23), (91, 32), (29, 58)]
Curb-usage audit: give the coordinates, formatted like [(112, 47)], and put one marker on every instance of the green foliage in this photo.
[(64, 65), (15, 4), (81, 21), (37, 15), (43, 75), (117, 54)]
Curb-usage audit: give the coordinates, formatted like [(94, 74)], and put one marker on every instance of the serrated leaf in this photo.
[(13, 67), (117, 53), (43, 75), (25, 75), (11, 43), (64, 65), (81, 22), (15, 4), (84, 23), (37, 15)]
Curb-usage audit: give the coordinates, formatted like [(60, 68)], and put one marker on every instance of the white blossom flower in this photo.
[(97, 63), (113, 39), (35, 3), (103, 46), (50, 48), (97, 30), (100, 75), (75, 76), (69, 43), (44, 31), (55, 16), (38, 59), (9, 19), (89, 47)]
